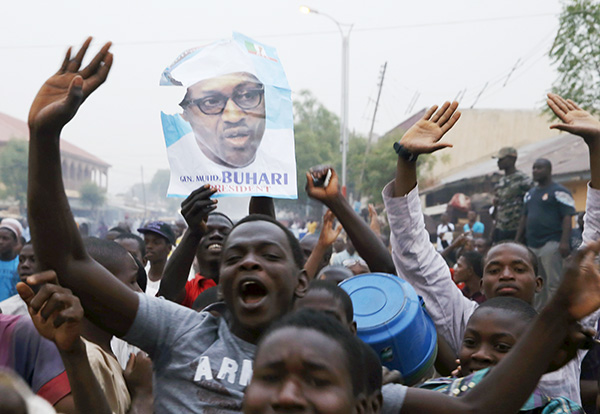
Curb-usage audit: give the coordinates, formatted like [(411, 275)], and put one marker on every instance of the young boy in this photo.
[(317, 372), (202, 362), (509, 268)]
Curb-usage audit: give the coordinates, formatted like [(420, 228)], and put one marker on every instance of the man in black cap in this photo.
[(159, 239)]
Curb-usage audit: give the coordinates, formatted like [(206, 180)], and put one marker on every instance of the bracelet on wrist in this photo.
[(404, 153)]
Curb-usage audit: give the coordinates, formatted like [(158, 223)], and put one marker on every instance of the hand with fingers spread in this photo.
[(55, 311), (63, 93), (197, 206), (424, 136), (325, 194), (575, 120)]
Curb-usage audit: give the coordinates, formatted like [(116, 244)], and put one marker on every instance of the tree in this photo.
[(13, 169), (576, 51), (92, 195), (317, 141)]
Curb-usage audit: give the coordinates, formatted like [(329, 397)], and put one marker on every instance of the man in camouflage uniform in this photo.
[(509, 193)]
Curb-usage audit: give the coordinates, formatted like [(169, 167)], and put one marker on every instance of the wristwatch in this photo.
[(404, 153)]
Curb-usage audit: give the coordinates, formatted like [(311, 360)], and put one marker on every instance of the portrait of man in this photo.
[(227, 116), (230, 123)]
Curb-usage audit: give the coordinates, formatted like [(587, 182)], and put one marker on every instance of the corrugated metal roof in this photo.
[(567, 153)]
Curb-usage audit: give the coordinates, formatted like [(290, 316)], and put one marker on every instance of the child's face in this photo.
[(490, 335), (302, 371)]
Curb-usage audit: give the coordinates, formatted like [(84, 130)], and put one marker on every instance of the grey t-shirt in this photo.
[(393, 398), (199, 365)]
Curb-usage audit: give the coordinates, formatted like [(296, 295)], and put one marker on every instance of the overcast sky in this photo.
[(436, 49)]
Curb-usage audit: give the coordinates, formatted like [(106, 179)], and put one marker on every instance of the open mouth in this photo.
[(214, 247), (252, 292)]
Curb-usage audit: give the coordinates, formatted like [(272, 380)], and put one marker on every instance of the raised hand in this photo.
[(324, 194), (580, 287), (55, 311), (63, 93), (424, 136), (574, 119), (328, 233), (197, 206)]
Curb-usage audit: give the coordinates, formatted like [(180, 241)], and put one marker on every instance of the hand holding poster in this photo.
[(235, 131)]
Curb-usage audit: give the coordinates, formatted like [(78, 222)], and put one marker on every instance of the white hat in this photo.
[(12, 225), (216, 59)]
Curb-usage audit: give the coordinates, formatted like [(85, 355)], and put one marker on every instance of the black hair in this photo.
[(138, 239), (106, 252), (336, 293), (117, 229), (532, 257), (519, 307), (142, 277), (294, 243), (373, 372), (474, 261), (335, 273), (218, 213), (331, 328), (328, 250)]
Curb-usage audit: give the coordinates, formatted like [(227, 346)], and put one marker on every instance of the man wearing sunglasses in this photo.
[(227, 116)]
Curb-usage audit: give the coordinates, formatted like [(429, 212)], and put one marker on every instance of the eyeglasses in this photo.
[(246, 97)]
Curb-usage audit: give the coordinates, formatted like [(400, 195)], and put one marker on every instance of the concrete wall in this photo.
[(481, 132)]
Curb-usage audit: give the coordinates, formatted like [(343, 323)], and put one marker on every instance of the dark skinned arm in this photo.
[(368, 245), (57, 315), (564, 247), (195, 210), (326, 238), (107, 301), (262, 205), (498, 392)]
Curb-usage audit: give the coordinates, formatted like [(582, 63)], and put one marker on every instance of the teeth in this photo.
[(215, 246)]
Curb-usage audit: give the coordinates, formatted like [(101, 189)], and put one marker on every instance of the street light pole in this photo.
[(345, 86)]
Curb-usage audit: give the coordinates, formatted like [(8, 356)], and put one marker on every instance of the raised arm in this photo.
[(56, 240), (57, 316), (195, 210), (328, 235), (498, 392), (415, 258), (262, 205), (368, 245)]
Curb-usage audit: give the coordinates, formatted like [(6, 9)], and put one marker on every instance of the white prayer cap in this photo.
[(34, 404), (216, 59)]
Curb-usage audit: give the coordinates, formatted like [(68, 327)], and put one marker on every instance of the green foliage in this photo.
[(92, 195), (317, 141), (576, 51), (160, 184), (13, 169)]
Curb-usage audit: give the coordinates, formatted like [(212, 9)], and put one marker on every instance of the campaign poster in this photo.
[(233, 127)]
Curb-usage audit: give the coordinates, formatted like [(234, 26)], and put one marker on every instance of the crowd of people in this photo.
[(244, 317)]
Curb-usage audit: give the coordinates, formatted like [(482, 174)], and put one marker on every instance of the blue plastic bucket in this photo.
[(391, 318)]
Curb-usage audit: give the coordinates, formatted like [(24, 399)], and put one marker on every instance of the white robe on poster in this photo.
[(275, 155)]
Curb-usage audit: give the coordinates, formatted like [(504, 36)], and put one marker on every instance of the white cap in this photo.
[(216, 59)]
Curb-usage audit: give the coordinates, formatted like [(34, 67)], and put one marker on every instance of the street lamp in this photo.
[(345, 78)]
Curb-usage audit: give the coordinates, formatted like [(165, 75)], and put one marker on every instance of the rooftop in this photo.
[(13, 128)]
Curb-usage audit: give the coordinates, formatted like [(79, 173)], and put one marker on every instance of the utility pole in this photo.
[(364, 163)]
